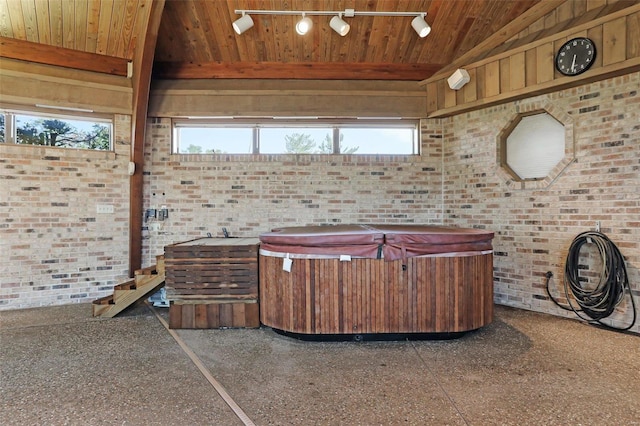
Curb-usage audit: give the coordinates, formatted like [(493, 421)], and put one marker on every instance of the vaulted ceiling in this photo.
[(197, 36), (196, 40)]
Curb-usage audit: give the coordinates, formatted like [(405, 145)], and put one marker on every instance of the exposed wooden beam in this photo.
[(62, 57), (505, 33), (142, 68), (306, 71), (503, 77), (615, 70)]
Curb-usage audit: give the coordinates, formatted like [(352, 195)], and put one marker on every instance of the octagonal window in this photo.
[(535, 146)]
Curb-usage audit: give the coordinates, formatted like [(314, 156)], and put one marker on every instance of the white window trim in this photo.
[(10, 126), (308, 122)]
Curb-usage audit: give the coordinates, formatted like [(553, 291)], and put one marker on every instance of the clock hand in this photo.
[(573, 63)]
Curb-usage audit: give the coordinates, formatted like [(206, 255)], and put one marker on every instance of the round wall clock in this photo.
[(576, 56)]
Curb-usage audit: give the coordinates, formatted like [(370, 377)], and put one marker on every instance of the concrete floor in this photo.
[(61, 366)]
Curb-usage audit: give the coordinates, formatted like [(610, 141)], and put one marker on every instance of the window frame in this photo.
[(333, 124), (526, 109), (508, 143), (10, 113)]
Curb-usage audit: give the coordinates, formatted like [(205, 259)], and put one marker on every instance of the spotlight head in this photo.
[(420, 25), (242, 24), (304, 25), (339, 25)]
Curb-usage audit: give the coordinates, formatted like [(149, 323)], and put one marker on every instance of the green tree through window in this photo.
[(197, 149), (2, 128), (62, 133), (299, 143)]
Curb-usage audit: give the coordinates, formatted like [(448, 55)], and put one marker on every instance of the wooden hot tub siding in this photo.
[(440, 294), (212, 283)]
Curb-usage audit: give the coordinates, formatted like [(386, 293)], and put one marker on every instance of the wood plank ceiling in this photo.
[(196, 39)]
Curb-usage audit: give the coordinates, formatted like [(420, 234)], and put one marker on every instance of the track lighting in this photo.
[(336, 23), (242, 24), (304, 25), (339, 25), (420, 25)]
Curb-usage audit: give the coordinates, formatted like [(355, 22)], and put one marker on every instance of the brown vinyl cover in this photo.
[(393, 241), (402, 241), (353, 240)]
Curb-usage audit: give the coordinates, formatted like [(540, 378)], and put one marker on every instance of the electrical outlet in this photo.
[(104, 208)]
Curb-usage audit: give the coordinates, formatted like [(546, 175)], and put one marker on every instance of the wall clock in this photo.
[(576, 56)]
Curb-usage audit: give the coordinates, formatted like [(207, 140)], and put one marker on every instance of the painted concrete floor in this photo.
[(60, 366)]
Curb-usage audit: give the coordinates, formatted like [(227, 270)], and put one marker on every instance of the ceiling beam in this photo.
[(142, 68), (62, 57), (520, 23), (306, 71)]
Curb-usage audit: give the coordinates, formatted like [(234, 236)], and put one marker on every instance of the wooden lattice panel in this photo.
[(212, 283)]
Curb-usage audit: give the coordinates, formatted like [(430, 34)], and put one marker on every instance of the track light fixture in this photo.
[(304, 25), (339, 25), (242, 24), (420, 25), (336, 23)]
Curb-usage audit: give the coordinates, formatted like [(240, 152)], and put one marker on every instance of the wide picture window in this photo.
[(279, 136)]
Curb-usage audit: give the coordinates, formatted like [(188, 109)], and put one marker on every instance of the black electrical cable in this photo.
[(599, 302)]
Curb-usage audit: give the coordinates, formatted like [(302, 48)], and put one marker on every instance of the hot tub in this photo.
[(365, 279)]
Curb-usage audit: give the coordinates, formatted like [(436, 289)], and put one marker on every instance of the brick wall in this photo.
[(252, 194), (535, 227), (55, 248), (60, 251)]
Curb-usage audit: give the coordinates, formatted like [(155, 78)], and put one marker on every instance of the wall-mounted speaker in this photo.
[(458, 79)]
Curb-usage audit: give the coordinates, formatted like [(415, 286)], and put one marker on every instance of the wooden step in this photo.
[(102, 305), (149, 270), (121, 290), (104, 300), (127, 293)]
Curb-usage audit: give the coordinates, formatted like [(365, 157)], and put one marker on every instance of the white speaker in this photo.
[(458, 79)]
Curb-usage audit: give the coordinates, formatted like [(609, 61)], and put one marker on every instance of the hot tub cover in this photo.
[(402, 241), (375, 241), (353, 240)]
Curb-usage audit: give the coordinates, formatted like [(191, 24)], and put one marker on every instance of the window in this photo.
[(2, 119), (535, 146), (204, 139), (295, 136), (65, 131)]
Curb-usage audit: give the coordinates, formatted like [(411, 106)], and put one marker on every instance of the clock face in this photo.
[(576, 56)]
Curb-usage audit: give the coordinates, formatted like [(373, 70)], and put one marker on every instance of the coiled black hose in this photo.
[(601, 301)]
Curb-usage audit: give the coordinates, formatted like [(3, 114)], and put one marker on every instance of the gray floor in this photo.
[(61, 366)]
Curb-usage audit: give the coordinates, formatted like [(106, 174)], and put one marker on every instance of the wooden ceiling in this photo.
[(196, 36), (196, 40)]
